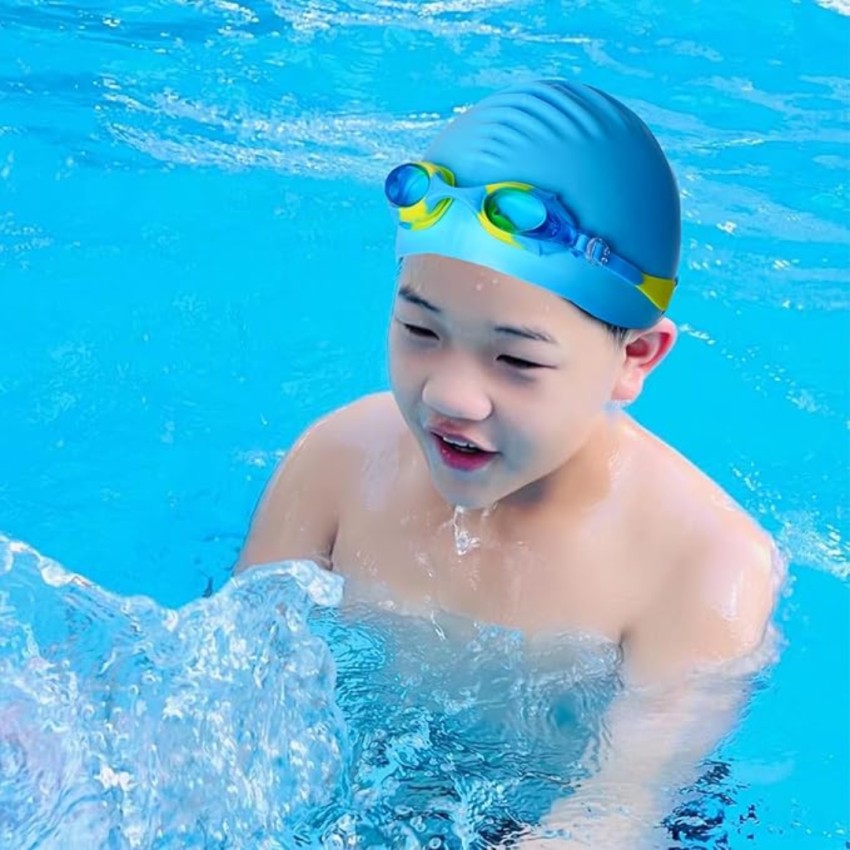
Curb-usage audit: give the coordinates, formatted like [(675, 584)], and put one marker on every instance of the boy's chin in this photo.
[(471, 504), (468, 499)]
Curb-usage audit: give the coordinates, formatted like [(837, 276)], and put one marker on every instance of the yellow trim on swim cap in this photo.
[(659, 290)]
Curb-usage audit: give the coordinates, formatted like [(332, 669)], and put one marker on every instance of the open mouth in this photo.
[(462, 454)]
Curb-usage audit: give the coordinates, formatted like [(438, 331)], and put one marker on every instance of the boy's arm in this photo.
[(653, 742), (688, 664), (298, 513)]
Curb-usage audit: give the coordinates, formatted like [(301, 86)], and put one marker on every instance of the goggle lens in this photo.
[(515, 210), (407, 185)]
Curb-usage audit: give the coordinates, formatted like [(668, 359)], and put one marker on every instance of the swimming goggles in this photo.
[(517, 214)]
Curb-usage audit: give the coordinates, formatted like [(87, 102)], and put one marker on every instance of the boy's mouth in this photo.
[(459, 453)]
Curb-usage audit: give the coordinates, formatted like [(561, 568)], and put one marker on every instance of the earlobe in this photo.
[(642, 353)]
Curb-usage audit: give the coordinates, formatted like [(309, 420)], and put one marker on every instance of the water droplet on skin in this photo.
[(425, 562)]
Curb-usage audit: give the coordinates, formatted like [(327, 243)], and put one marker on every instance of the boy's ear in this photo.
[(642, 353)]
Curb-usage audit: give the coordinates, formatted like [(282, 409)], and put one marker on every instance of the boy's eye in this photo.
[(519, 363), (418, 330)]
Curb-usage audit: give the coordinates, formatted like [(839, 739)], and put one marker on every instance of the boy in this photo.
[(539, 241)]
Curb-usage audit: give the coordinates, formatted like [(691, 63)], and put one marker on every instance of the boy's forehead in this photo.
[(477, 295), (435, 273), (448, 282)]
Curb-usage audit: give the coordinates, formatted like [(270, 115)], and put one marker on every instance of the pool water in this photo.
[(197, 261)]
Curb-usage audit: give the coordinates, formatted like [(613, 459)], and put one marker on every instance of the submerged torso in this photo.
[(472, 729)]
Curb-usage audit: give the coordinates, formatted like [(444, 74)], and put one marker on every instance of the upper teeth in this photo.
[(461, 443)]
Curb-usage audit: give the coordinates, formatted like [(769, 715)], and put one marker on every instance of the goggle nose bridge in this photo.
[(439, 190)]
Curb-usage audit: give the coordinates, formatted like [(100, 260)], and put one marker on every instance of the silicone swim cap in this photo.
[(601, 161)]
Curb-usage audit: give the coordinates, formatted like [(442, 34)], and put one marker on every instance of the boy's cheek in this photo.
[(404, 371)]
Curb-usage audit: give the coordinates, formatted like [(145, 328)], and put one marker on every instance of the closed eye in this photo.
[(519, 363), (418, 330)]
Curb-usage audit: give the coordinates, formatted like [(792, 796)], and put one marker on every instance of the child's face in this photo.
[(482, 358)]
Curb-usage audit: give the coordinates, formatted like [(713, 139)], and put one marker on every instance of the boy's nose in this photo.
[(457, 393)]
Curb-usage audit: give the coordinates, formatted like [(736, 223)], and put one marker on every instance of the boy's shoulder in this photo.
[(357, 424), (300, 511), (724, 570), (344, 442), (335, 447)]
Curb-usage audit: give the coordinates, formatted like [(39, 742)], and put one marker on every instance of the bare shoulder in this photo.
[(724, 574), (362, 423), (731, 582), (300, 510)]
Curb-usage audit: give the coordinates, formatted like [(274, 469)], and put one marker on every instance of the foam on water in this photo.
[(128, 725)]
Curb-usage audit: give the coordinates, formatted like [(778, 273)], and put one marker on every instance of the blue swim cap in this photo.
[(601, 161)]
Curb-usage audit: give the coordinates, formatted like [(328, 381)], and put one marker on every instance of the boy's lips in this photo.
[(458, 437), (459, 451)]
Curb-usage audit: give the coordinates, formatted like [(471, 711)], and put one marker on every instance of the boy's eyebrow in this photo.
[(412, 297), (409, 294), (526, 333)]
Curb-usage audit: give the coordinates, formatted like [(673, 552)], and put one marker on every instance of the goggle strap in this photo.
[(659, 290)]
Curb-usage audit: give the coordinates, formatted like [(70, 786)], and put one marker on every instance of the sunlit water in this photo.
[(196, 261)]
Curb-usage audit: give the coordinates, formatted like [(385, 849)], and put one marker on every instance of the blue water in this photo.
[(195, 262)]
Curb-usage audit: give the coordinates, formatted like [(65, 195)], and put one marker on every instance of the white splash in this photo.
[(465, 541), (840, 6)]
